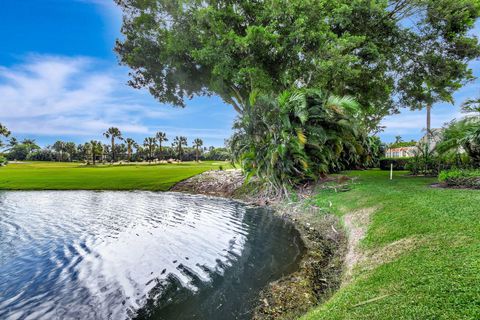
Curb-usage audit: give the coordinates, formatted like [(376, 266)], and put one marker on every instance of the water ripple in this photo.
[(121, 255)]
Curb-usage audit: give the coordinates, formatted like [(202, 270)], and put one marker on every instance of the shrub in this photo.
[(461, 178), (398, 163), (3, 161), (42, 155), (429, 161), (367, 156), (421, 165), (18, 152), (288, 139)]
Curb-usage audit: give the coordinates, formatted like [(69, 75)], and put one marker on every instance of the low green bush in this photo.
[(3, 161), (398, 163), (432, 164), (419, 165), (461, 178)]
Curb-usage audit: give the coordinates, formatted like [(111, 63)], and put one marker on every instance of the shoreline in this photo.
[(321, 269)]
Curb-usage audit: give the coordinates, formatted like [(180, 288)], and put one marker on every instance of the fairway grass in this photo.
[(421, 251), (74, 176)]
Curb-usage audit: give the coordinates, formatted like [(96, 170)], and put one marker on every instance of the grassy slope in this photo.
[(71, 176), (438, 278)]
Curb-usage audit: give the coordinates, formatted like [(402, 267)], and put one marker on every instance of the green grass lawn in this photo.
[(71, 176), (427, 242)]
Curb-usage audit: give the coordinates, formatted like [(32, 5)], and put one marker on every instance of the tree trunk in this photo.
[(113, 149), (429, 129)]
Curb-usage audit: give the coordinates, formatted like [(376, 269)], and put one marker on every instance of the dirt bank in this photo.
[(321, 268)]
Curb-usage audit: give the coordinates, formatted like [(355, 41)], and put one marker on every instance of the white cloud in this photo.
[(57, 96)]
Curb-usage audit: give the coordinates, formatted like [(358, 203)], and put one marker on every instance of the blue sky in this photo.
[(59, 79)]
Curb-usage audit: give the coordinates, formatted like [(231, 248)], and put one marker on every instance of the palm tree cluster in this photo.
[(178, 144), (298, 136), (152, 149)]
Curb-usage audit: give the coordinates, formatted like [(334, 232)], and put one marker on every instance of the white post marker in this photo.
[(391, 171)]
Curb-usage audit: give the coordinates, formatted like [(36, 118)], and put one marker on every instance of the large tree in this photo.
[(386, 54)]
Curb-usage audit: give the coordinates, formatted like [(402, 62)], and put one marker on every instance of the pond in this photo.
[(145, 255)]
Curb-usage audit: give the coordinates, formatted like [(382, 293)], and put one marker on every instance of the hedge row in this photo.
[(398, 163), (461, 178)]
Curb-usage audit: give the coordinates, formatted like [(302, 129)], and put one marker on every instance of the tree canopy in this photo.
[(385, 54)]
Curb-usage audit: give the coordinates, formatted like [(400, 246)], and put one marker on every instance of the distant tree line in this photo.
[(118, 148)]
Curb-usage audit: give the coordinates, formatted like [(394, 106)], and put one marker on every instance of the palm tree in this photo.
[(130, 145), (71, 149), (121, 151), (59, 146), (197, 143), (3, 132), (161, 137), (398, 139), (463, 134), (471, 105), (96, 149), (178, 144), (12, 142), (113, 133), (28, 141), (85, 150), (150, 143), (140, 150), (31, 144), (296, 137)]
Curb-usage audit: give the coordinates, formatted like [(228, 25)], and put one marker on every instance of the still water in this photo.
[(146, 255)]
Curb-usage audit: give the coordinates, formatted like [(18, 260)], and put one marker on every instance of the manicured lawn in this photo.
[(426, 245), (71, 176)]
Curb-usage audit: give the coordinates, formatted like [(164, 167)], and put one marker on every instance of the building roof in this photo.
[(402, 149)]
